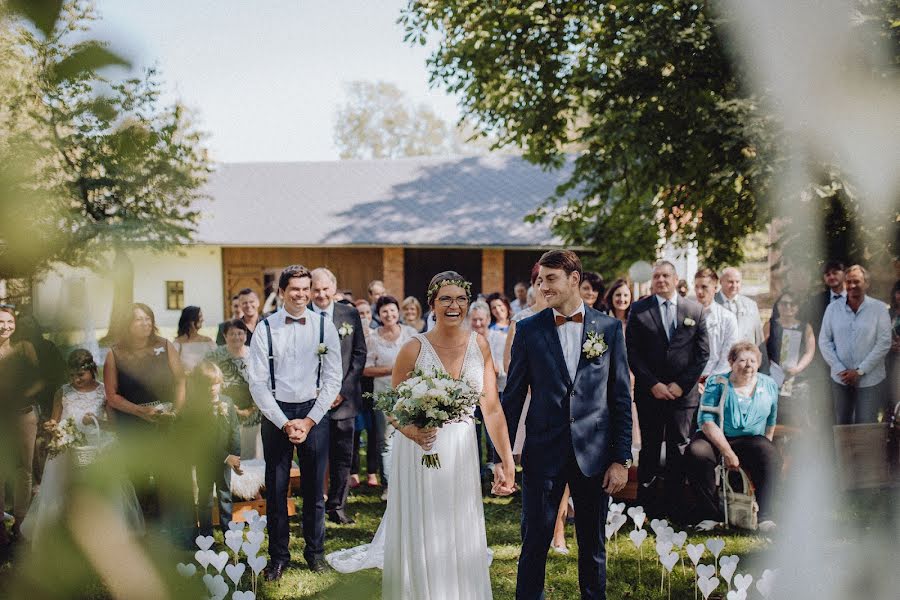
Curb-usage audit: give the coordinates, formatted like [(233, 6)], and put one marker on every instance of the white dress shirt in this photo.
[(673, 311), (747, 313), (722, 332), (328, 310), (856, 340), (296, 365), (570, 339)]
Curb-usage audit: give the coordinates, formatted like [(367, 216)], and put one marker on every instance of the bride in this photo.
[(431, 542)]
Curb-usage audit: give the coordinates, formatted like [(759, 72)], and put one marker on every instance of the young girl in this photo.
[(83, 400)]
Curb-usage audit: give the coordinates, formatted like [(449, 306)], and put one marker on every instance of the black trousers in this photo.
[(340, 457), (759, 458), (220, 474), (541, 495), (668, 422), (312, 458)]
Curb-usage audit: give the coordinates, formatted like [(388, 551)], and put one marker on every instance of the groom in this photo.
[(578, 427)]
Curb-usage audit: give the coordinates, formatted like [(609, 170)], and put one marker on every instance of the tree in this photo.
[(667, 143), (123, 170)]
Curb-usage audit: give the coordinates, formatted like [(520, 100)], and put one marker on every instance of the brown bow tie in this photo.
[(576, 318), (289, 320)]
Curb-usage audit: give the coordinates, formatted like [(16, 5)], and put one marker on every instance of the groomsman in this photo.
[(348, 402), (294, 367), (813, 310), (743, 308), (668, 350)]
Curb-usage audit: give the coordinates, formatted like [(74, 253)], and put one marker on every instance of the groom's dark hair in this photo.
[(291, 272), (566, 260)]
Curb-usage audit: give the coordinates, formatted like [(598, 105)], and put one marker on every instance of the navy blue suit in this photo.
[(573, 431)]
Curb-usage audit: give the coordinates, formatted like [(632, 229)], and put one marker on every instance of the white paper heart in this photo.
[(737, 595), (742, 582), (679, 539), (706, 571), (715, 545), (204, 542), (732, 559), (234, 540), (639, 519), (257, 563), (765, 582), (655, 524), (666, 533), (663, 548), (726, 570), (259, 524), (186, 570), (208, 582), (617, 507), (220, 588), (633, 510), (251, 515), (610, 530), (637, 537), (619, 520), (707, 585), (235, 572), (695, 552), (219, 560), (243, 596), (669, 560), (235, 526), (250, 549), (202, 557), (255, 537)]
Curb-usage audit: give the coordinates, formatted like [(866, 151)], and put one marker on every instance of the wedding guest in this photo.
[(479, 318), (500, 312), (51, 371), (347, 403), (668, 347), (294, 392), (893, 360), (721, 325), (520, 301), (214, 414), (743, 308), (375, 290), (791, 344), (592, 290), (191, 345), (412, 313), (813, 310), (365, 420), (682, 288), (750, 409), (854, 340), (236, 313), (20, 390), (250, 309), (232, 361), (384, 344), (618, 300)]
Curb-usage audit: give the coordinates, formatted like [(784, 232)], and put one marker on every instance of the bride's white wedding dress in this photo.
[(431, 542)]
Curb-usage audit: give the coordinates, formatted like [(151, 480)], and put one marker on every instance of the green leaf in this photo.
[(87, 58), (43, 13)]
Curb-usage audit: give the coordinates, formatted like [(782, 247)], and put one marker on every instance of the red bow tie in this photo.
[(576, 318), (289, 320)]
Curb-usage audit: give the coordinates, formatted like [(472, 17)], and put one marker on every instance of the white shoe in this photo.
[(766, 526), (560, 549), (706, 525)]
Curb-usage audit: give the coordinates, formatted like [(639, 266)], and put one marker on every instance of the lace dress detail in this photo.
[(431, 542), (76, 404)]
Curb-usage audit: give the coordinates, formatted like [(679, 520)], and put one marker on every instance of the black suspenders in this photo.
[(272, 354), (321, 341)]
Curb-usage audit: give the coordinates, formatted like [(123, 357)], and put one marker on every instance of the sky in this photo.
[(265, 77)]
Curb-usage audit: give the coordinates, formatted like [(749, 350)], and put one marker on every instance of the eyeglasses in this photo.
[(447, 301), (4, 305)]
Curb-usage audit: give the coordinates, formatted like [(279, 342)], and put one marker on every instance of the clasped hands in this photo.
[(662, 391), (849, 377), (298, 429)]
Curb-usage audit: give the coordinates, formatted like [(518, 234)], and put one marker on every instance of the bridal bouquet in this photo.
[(429, 399), (59, 437)]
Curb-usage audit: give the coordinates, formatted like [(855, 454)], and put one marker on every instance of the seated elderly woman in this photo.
[(744, 440)]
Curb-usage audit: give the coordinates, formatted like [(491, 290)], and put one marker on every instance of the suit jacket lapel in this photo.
[(680, 315), (552, 340), (590, 324), (656, 314)]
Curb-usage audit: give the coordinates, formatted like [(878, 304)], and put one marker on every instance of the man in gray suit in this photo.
[(348, 402)]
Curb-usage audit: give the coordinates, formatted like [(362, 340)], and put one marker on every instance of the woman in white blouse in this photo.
[(384, 344)]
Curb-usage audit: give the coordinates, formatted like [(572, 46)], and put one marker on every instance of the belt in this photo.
[(305, 402)]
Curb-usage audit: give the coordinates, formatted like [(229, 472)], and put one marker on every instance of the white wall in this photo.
[(78, 298)]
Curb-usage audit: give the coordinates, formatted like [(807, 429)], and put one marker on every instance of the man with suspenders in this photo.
[(295, 374)]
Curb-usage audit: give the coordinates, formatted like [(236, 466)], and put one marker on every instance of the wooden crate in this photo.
[(241, 507), (862, 460)]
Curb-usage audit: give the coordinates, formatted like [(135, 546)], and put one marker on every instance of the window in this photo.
[(174, 295)]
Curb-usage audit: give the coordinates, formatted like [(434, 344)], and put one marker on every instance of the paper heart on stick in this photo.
[(186, 570), (666, 533), (243, 596), (706, 571), (737, 595), (726, 570), (619, 520), (669, 560), (633, 510), (259, 524), (617, 507), (610, 530), (678, 539), (235, 526), (235, 572), (255, 537), (215, 585), (219, 560), (663, 548), (655, 524), (715, 545), (639, 519), (732, 559), (637, 537), (203, 556), (765, 582), (707, 585), (742, 582), (257, 564), (695, 552), (204, 542), (234, 540), (250, 549)]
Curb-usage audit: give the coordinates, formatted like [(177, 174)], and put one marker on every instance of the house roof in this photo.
[(471, 201)]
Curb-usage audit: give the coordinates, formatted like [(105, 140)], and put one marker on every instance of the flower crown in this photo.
[(87, 364), (458, 282)]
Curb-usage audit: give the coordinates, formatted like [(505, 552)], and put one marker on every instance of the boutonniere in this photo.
[(689, 322), (158, 351), (345, 330), (322, 350), (594, 345)]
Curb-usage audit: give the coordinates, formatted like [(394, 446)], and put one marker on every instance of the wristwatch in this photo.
[(626, 463)]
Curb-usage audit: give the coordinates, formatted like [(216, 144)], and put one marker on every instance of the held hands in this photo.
[(425, 438), (298, 429), (235, 463), (615, 478), (849, 377), (661, 391), (504, 479)]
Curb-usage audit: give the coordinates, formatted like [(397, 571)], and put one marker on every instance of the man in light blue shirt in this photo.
[(854, 340)]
